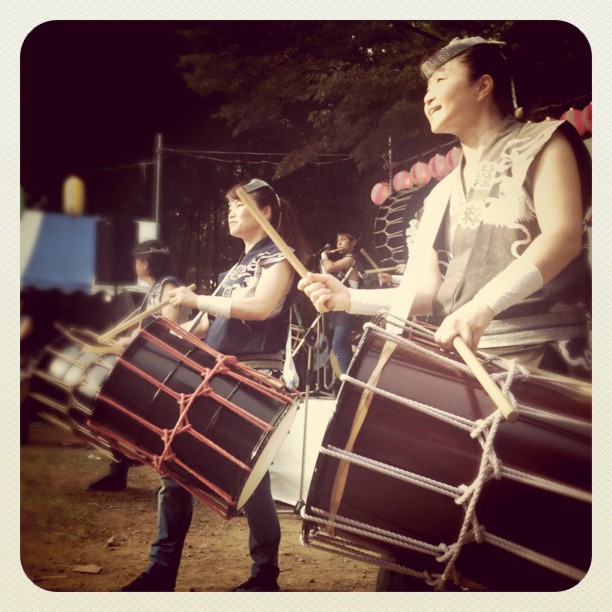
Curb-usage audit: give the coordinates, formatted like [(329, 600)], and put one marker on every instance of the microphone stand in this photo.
[(307, 390)]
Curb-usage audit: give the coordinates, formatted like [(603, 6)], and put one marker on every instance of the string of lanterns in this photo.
[(440, 165)]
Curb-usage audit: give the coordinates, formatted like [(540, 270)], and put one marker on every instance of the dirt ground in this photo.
[(78, 540)]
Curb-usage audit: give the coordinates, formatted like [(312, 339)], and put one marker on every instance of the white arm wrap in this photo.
[(518, 281), (369, 301), (215, 305)]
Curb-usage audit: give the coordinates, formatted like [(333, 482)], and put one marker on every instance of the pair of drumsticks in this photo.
[(500, 400)]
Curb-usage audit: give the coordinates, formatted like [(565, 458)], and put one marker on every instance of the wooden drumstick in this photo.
[(102, 349), (276, 238), (365, 254), (493, 390), (380, 270), (137, 319)]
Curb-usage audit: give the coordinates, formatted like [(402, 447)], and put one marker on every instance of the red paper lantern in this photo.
[(402, 180), (453, 157), (380, 192), (587, 117), (438, 166), (420, 174), (575, 118)]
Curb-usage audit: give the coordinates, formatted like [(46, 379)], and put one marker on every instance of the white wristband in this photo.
[(215, 305), (518, 281), (367, 301), (324, 256)]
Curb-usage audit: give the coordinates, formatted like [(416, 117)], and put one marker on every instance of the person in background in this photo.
[(345, 269), (518, 276), (152, 265), (246, 316)]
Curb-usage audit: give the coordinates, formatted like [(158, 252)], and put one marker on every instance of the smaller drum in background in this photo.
[(64, 383), (202, 418), (419, 472)]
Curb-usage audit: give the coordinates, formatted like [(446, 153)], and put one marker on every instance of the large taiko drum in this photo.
[(420, 473), (202, 418), (65, 380)]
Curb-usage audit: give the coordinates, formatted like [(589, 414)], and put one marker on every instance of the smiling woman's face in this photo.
[(450, 98)]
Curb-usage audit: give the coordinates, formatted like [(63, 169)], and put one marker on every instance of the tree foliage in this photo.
[(319, 88)]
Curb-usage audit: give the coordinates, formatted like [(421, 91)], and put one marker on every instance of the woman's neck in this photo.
[(479, 137), (147, 278), (251, 240)]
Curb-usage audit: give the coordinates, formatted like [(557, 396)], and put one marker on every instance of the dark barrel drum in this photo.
[(420, 473), (65, 381), (202, 418)]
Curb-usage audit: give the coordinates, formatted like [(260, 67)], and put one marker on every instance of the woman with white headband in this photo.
[(247, 316)]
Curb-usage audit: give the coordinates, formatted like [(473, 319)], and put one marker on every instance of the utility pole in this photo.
[(157, 193)]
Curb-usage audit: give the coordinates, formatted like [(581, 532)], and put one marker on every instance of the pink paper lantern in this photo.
[(438, 166), (587, 117), (575, 118), (420, 174), (402, 180), (453, 157), (380, 192)]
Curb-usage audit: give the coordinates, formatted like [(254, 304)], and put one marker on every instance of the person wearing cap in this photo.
[(153, 267), (247, 316), (345, 269), (510, 216)]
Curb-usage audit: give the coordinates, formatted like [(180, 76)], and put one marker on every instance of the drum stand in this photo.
[(316, 340), (317, 358)]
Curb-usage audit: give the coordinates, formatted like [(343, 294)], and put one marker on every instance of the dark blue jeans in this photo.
[(174, 513), (342, 327)]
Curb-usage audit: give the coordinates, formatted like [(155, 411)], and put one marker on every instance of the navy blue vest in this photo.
[(237, 337)]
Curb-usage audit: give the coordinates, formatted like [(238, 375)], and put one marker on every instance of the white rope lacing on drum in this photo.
[(476, 430), (323, 517), (490, 467), (452, 419), (550, 417), (470, 497), (526, 553), (384, 468), (348, 550), (545, 484), (484, 431), (472, 531)]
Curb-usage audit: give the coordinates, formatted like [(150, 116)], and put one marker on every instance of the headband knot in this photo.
[(454, 48), (154, 250)]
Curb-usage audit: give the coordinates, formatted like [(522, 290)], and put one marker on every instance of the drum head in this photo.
[(268, 452)]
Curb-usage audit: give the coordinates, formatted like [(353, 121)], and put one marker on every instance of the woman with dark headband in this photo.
[(508, 220), (247, 315), (153, 266), (512, 224)]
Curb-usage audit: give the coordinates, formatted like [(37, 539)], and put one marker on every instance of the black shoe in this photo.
[(110, 482), (147, 583), (258, 583)]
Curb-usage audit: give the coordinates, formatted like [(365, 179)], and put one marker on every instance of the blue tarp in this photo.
[(58, 251)]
